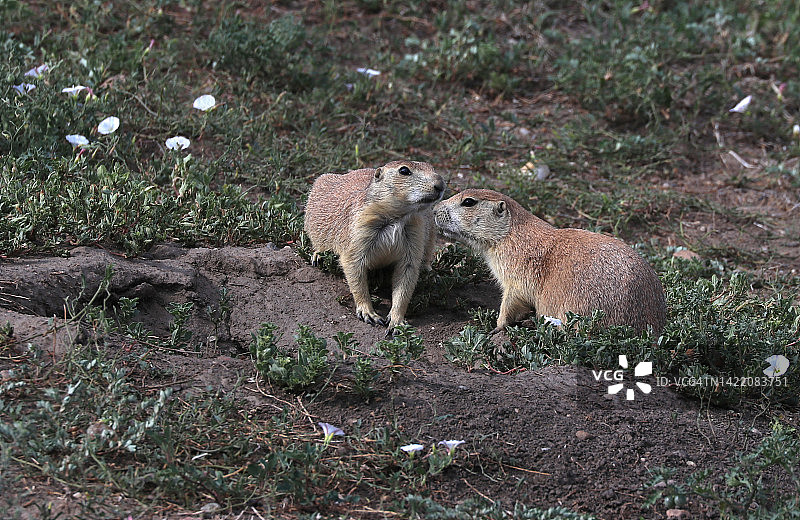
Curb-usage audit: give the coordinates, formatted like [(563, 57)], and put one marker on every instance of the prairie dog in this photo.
[(374, 218), (553, 270)]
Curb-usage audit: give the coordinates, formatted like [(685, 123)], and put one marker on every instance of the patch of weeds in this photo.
[(792, 173), (644, 82), (276, 53), (283, 369), (580, 340), (467, 348), (485, 319), (347, 345), (179, 335), (671, 493), (98, 313), (364, 372), (7, 335), (98, 402), (327, 261), (635, 88), (615, 205), (762, 483), (91, 424), (220, 316), (364, 377), (471, 55), (403, 347)]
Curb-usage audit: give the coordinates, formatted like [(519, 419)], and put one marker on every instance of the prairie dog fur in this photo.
[(553, 270), (374, 218)]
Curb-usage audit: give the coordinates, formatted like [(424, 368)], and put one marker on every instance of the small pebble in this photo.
[(542, 172), (582, 435)]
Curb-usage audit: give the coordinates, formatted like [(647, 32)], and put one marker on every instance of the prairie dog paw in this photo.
[(371, 317)]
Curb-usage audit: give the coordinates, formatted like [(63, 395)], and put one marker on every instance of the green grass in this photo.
[(624, 117)]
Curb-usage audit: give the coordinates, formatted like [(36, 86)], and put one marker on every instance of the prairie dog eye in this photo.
[(404, 170), (468, 202)]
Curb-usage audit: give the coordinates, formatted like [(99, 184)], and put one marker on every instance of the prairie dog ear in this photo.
[(500, 208), (378, 173)]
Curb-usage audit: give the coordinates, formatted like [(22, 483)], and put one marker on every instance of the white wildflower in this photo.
[(368, 72), (24, 88), (329, 430), (77, 140), (177, 143), (205, 102), (108, 125), (37, 72), (777, 366), (552, 321), (73, 90), (742, 105), (451, 444)]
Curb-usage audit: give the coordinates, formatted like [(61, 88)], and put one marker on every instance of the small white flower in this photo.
[(368, 72), (452, 444), (77, 140), (412, 448), (796, 130), (73, 90), (24, 88), (777, 366), (329, 430), (741, 107), (552, 321), (108, 125), (177, 143), (37, 72), (205, 102)]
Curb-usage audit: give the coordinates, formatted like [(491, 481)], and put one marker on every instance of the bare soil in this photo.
[(548, 437)]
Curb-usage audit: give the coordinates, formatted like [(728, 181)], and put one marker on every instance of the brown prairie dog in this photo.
[(553, 270), (374, 218)]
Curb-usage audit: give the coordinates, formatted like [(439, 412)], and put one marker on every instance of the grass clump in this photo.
[(276, 54), (467, 348), (283, 369), (470, 55), (404, 345)]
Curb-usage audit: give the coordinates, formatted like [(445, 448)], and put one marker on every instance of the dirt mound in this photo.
[(549, 437)]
